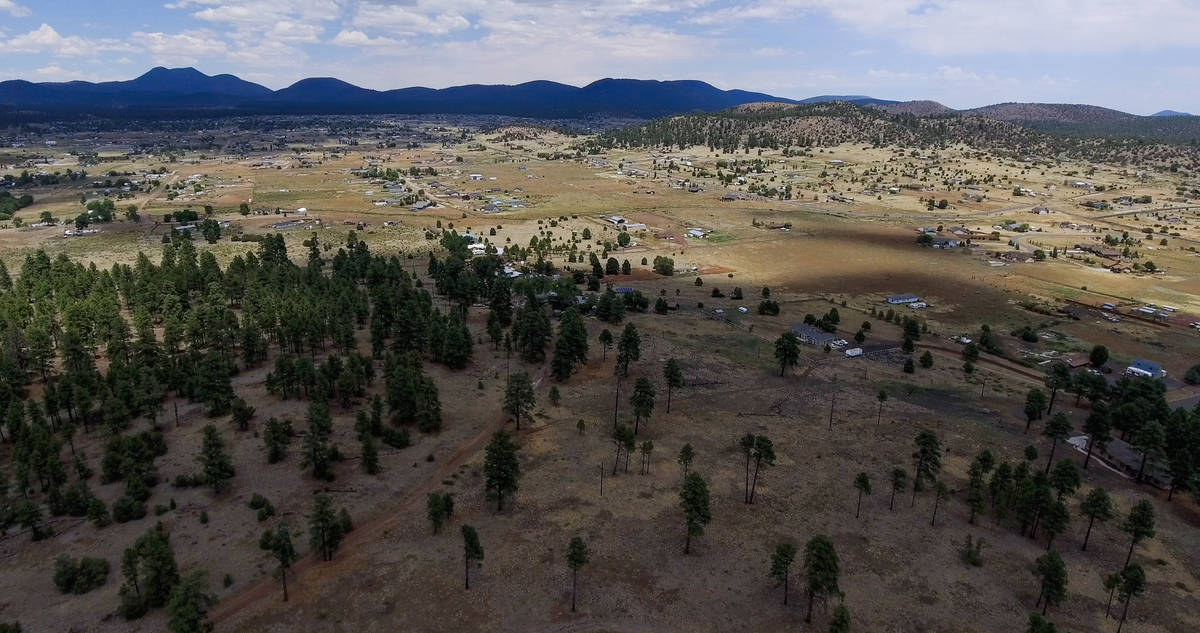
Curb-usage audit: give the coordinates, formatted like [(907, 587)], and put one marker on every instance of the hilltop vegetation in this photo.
[(826, 124)]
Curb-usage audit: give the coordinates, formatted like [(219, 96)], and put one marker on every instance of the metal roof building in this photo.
[(812, 335)]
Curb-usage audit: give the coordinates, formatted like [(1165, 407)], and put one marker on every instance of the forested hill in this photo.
[(796, 127)]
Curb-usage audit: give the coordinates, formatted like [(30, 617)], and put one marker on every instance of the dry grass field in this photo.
[(899, 572)]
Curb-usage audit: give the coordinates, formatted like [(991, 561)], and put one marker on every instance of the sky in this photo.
[(1139, 56)]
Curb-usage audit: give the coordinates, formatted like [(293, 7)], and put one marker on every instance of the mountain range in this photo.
[(182, 92), (189, 91)]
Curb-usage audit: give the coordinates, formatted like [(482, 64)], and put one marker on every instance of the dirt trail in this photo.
[(1001, 363), (267, 586)]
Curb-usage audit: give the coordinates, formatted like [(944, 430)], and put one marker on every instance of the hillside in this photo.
[(1051, 113), (834, 123), (917, 108)]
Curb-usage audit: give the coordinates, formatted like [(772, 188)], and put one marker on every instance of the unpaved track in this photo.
[(267, 587)]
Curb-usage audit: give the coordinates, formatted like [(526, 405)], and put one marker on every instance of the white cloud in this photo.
[(45, 39), (351, 37), (54, 72), (408, 20), (954, 73), (768, 52), (14, 9), (960, 27), (186, 48)]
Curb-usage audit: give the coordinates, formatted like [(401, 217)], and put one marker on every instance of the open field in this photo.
[(900, 570)]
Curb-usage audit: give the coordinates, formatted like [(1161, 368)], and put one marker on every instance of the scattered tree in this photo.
[(501, 468), (693, 498), (577, 557), (781, 562), (862, 483), (820, 570), (472, 551)]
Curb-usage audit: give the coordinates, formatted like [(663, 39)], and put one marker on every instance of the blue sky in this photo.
[(1138, 56)]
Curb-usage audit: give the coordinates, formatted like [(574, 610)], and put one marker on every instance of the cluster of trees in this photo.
[(1134, 409), (185, 326), (10, 204), (821, 574)]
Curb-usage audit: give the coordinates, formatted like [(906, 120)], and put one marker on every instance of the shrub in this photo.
[(188, 481), (768, 307), (396, 438), (97, 513), (79, 576), (126, 509), (263, 505), (1192, 376), (971, 552)]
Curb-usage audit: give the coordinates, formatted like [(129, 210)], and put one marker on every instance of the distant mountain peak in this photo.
[(1170, 113)]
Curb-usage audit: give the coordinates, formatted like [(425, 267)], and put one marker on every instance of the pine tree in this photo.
[(501, 468), (787, 351), (840, 621), (1139, 525), (975, 492), (686, 455), (899, 478), (276, 437), (1065, 478), (150, 574), (1035, 405), (572, 345), (763, 454), (623, 439), (1058, 428), (519, 398), (642, 401), (862, 483), (1051, 573), (472, 551), (1132, 583), (370, 454), (187, 610), (215, 464), (577, 557), (629, 349), (1058, 377), (324, 530), (606, 341), (1150, 440), (693, 498), (439, 507), (531, 330), (940, 492), (821, 570), (929, 460), (318, 452), (781, 563), (1055, 520), (284, 553), (1096, 506), (673, 376)]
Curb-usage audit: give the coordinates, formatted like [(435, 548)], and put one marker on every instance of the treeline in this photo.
[(833, 123)]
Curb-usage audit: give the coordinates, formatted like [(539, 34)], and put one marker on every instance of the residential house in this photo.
[(812, 335)]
